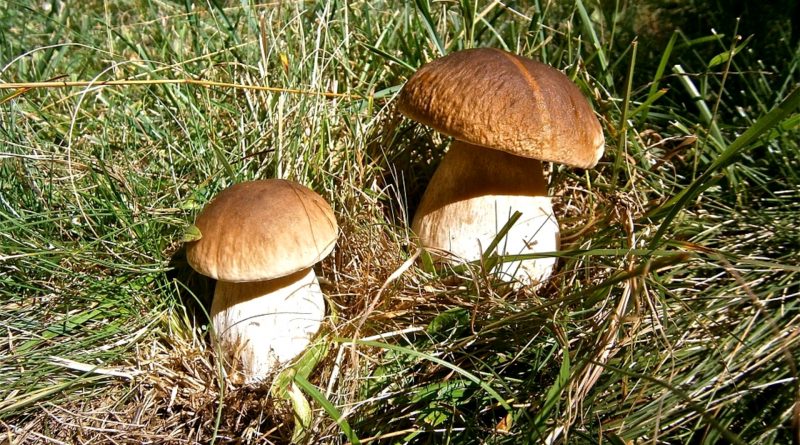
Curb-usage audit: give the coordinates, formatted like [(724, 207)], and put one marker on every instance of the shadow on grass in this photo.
[(407, 154), (195, 291)]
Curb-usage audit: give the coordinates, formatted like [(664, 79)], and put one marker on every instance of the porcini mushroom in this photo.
[(507, 114), (260, 240)]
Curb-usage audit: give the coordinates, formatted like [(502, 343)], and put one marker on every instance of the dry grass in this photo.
[(642, 335)]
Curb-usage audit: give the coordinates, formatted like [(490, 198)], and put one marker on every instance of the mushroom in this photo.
[(507, 114), (260, 239)]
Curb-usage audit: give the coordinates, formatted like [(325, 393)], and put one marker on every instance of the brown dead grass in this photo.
[(374, 291)]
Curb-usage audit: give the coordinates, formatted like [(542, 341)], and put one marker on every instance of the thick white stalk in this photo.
[(262, 325), (472, 195), (536, 231)]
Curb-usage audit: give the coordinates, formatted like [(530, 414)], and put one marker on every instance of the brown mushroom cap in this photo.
[(499, 100), (262, 230)]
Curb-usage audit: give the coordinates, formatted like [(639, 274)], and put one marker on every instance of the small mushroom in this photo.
[(260, 240), (507, 114)]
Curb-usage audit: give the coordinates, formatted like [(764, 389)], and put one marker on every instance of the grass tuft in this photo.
[(672, 315)]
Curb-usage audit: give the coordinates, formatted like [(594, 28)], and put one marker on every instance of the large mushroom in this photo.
[(507, 114), (260, 240)]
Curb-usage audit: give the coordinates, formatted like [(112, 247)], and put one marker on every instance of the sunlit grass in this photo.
[(673, 314)]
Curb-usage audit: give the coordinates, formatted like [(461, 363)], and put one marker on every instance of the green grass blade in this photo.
[(388, 56), (588, 27), (644, 107), (302, 412), (622, 131), (501, 234), (552, 397), (334, 413), (654, 92), (424, 9), (726, 56), (413, 353), (705, 111), (694, 406), (468, 15), (764, 124), (13, 403)]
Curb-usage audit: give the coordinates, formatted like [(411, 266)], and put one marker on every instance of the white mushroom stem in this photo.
[(472, 195), (262, 325)]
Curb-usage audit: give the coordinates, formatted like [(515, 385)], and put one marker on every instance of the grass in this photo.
[(672, 317)]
